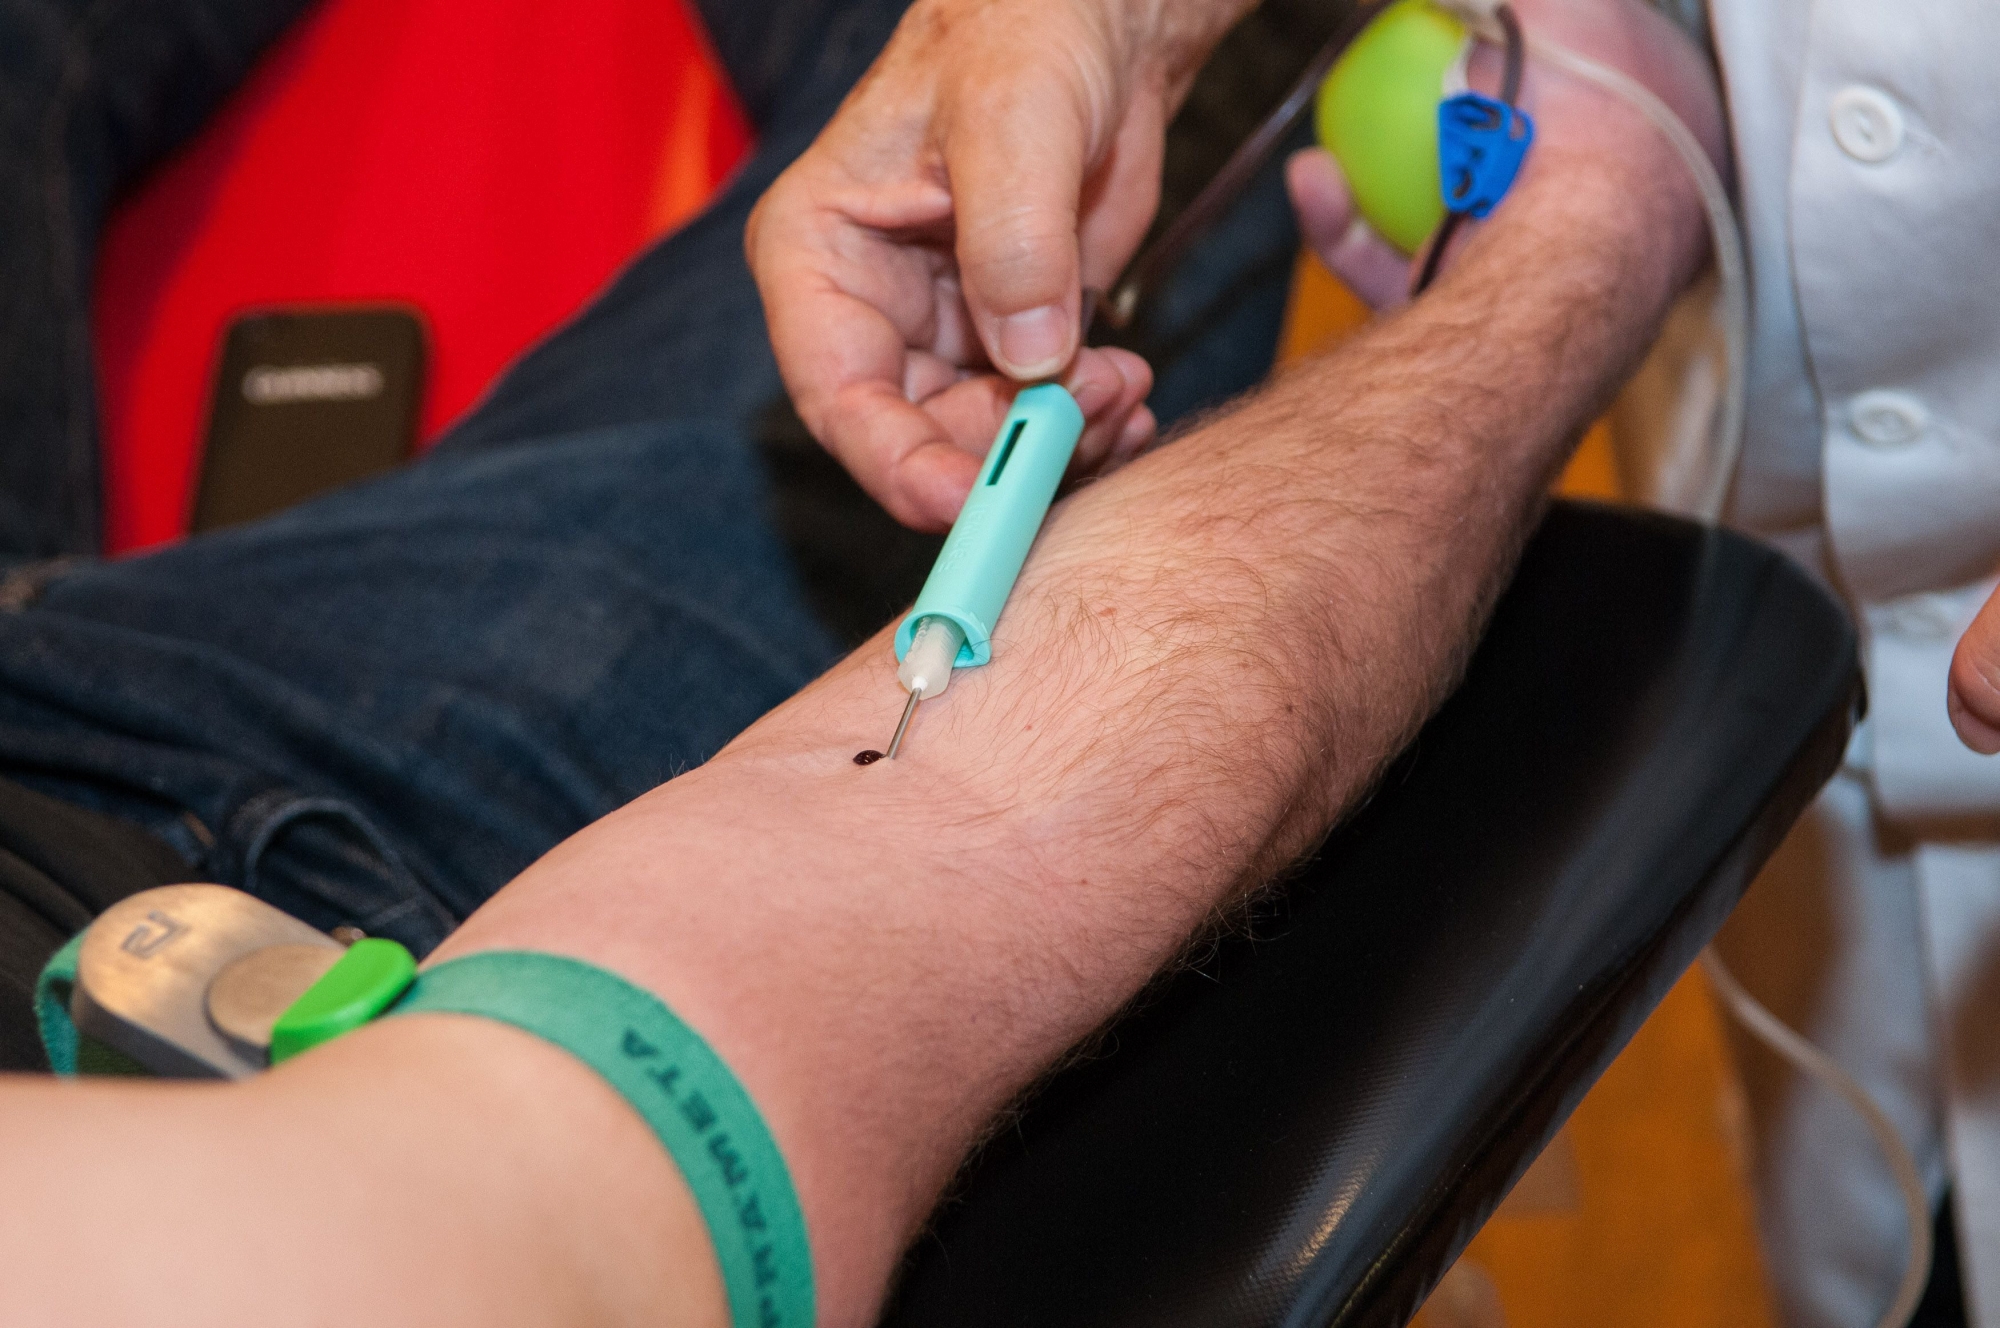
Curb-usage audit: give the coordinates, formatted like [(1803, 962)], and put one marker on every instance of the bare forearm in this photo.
[(1211, 654), (442, 1171)]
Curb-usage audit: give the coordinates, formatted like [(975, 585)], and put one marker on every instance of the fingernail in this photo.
[(1034, 343)]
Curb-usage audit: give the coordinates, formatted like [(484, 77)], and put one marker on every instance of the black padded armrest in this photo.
[(1308, 1127)]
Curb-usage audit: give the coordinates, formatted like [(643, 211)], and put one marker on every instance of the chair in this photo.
[(1308, 1124)]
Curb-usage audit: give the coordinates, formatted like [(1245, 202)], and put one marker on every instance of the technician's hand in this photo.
[(927, 253), (1568, 112)]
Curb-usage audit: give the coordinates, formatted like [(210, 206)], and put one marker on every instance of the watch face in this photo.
[(305, 401)]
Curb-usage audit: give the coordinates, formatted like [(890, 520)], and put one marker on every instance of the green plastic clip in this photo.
[(361, 984)]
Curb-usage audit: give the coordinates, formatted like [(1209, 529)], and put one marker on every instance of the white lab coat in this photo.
[(1867, 135)]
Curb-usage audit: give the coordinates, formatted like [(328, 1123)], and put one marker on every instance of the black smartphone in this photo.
[(306, 400)]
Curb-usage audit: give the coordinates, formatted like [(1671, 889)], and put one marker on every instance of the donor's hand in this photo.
[(1574, 121)]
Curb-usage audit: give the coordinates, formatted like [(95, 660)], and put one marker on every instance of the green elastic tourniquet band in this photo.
[(52, 991), (683, 1089)]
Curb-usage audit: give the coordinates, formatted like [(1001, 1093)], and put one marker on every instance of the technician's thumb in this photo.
[(1016, 166)]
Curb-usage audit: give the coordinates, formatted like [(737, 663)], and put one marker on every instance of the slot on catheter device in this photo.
[(951, 626)]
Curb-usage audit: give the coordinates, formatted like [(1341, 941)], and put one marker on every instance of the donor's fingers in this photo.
[(1373, 268)]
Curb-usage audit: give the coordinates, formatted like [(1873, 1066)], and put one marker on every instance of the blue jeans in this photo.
[(379, 706)]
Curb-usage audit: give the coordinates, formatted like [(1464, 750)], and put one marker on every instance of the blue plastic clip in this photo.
[(1480, 146)]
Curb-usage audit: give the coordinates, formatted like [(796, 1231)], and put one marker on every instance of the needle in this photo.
[(903, 725)]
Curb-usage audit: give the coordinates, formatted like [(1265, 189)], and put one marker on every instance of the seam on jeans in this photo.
[(281, 809), (263, 816), (378, 922), (254, 812), (188, 835), (286, 807)]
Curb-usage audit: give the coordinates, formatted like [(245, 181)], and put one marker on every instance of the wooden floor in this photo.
[(1636, 1215)]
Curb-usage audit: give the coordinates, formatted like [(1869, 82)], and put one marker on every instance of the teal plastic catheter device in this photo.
[(952, 623)]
